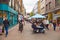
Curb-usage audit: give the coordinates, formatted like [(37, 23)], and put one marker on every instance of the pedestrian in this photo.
[(58, 23), (20, 22), (20, 26), (46, 23), (34, 26), (6, 25), (23, 20), (54, 24)]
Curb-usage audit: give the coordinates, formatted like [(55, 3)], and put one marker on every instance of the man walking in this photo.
[(6, 25)]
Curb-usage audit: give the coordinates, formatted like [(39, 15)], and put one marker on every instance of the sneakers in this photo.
[(37, 31)]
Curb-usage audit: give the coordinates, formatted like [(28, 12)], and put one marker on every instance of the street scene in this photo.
[(27, 34), (29, 19)]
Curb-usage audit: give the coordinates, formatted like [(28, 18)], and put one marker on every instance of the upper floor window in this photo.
[(46, 7), (41, 0), (10, 3), (57, 2), (42, 8), (50, 5)]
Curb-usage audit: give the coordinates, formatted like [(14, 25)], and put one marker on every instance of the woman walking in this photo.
[(21, 22), (20, 26)]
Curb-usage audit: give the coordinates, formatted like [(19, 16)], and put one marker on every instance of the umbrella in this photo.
[(37, 16)]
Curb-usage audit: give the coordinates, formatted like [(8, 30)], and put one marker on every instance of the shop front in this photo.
[(56, 16), (6, 11), (50, 16)]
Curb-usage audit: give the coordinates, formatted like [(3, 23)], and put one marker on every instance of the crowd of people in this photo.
[(36, 23), (44, 23)]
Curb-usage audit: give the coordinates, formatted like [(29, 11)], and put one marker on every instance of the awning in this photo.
[(5, 7)]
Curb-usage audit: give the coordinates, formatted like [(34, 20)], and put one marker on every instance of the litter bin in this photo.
[(1, 27)]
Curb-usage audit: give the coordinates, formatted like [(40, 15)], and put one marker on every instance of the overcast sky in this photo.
[(29, 4)]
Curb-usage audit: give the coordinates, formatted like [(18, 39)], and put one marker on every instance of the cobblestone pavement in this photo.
[(27, 34)]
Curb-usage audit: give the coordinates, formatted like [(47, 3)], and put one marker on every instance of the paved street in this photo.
[(27, 34)]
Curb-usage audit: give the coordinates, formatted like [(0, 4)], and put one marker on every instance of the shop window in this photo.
[(2, 15), (1, 18)]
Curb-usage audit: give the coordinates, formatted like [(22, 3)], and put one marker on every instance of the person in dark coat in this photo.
[(34, 26), (6, 25), (21, 19), (54, 24), (20, 26)]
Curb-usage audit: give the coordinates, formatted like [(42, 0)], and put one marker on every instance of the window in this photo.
[(41, 0), (49, 5), (42, 8), (10, 3), (13, 3), (57, 2), (46, 7)]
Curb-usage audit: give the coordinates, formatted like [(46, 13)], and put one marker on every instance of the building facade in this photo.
[(9, 9), (42, 8), (22, 8), (53, 9), (50, 5), (39, 7), (36, 8)]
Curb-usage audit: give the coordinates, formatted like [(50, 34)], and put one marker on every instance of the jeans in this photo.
[(6, 29), (47, 26), (54, 27)]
